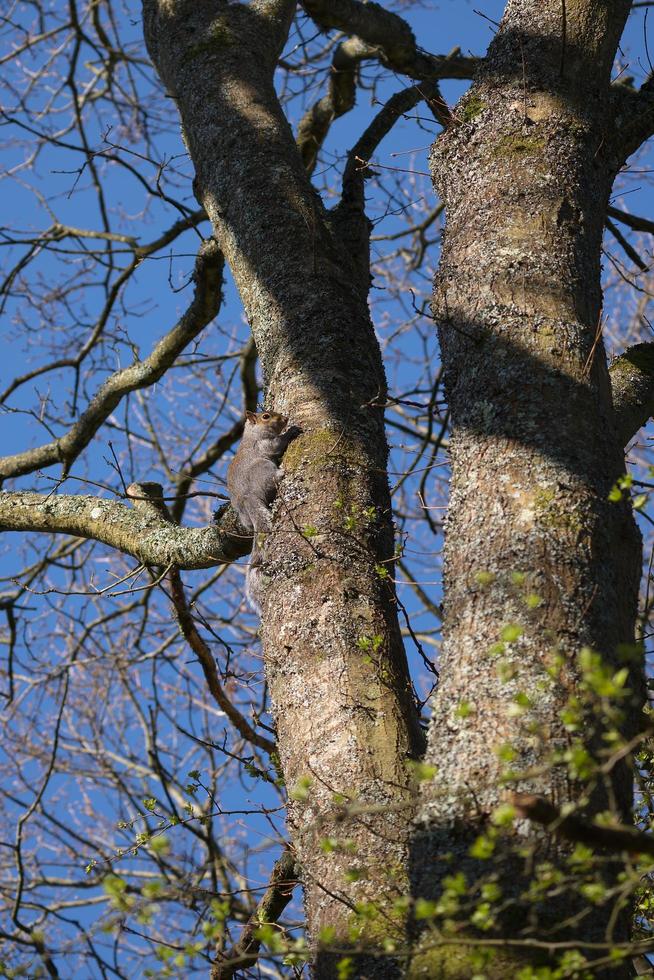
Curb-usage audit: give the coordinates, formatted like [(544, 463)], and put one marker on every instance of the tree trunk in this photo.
[(335, 664), (549, 565)]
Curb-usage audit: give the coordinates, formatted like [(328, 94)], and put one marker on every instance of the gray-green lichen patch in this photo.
[(549, 513), (218, 35), (518, 145), (470, 107), (312, 449)]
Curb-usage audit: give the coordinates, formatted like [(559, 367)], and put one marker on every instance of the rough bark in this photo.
[(526, 179), (345, 717)]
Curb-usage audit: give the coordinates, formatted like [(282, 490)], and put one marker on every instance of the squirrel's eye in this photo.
[(265, 416)]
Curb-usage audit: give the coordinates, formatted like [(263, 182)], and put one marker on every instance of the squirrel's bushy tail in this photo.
[(254, 576)]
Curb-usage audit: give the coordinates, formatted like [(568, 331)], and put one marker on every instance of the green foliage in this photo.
[(300, 791), (345, 968), (520, 704), (471, 107), (424, 909), (372, 643), (355, 873), (115, 889), (503, 815), (511, 632), (484, 846), (599, 676), (271, 936), (622, 485), (421, 771), (464, 709), (327, 935)]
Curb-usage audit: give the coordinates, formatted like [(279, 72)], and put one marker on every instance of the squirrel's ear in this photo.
[(251, 417)]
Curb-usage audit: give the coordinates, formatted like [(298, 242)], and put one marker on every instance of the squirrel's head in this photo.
[(271, 422)]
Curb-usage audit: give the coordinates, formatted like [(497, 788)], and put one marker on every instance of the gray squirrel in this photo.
[(252, 480)]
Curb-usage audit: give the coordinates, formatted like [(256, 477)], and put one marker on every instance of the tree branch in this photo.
[(614, 839), (195, 468), (626, 246), (146, 536), (390, 35), (148, 499), (204, 306), (278, 15), (634, 114), (632, 220), (340, 98), (277, 896), (208, 664), (58, 231), (381, 125), (632, 381), (349, 218)]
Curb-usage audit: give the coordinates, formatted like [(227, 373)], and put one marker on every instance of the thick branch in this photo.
[(614, 839), (349, 218), (634, 115), (632, 220), (278, 17), (277, 896), (148, 537), (203, 308), (390, 35), (340, 98), (626, 246), (632, 381)]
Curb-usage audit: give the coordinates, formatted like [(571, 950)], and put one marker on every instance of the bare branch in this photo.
[(340, 98), (225, 441), (349, 217), (615, 839), (148, 499), (632, 220), (384, 121), (277, 896), (148, 537), (203, 308), (390, 34), (208, 664), (626, 246)]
